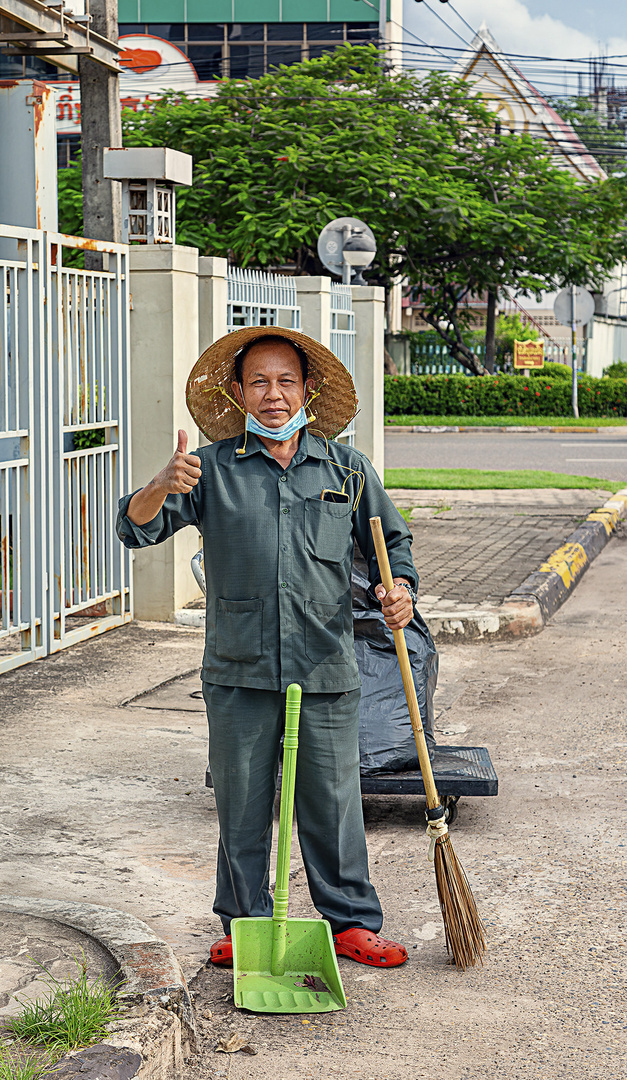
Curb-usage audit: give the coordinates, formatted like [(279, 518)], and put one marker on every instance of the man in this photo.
[(280, 508)]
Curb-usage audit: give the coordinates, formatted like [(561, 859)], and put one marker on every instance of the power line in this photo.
[(462, 19), (444, 23)]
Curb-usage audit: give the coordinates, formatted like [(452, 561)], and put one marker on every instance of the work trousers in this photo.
[(245, 729)]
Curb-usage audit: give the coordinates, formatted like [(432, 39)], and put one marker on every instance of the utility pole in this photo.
[(383, 18), (490, 319), (101, 126), (573, 331)]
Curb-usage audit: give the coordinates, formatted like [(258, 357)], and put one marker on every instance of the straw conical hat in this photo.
[(218, 418)]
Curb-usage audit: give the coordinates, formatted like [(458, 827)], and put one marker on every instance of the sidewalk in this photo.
[(104, 753), (475, 550)]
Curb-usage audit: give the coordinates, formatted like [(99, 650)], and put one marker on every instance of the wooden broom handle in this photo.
[(433, 799)]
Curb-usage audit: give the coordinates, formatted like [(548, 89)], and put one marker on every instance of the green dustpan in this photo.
[(283, 965)]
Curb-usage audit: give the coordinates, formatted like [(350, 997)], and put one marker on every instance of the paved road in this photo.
[(603, 455)]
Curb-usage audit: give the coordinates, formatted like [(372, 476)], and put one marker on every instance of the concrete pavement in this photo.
[(104, 750), (95, 810)]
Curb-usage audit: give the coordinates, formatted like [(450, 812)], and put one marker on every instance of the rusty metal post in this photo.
[(100, 127)]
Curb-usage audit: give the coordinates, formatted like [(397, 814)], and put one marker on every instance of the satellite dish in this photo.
[(584, 306), (332, 239)]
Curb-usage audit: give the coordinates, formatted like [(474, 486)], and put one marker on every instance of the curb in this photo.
[(554, 581), (433, 429), (158, 1029), (529, 607)]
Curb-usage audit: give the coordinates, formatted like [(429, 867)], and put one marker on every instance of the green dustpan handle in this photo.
[(281, 892)]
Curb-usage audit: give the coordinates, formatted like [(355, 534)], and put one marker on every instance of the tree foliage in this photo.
[(454, 209)]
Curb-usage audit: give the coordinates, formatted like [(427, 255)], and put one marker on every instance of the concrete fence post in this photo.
[(212, 301), (314, 297), (369, 309), (164, 348)]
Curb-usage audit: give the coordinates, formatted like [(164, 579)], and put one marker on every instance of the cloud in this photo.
[(514, 27)]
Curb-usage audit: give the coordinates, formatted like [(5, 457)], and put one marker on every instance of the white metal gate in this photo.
[(22, 432), (64, 444)]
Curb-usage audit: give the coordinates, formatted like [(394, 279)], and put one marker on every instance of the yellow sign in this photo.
[(528, 354)]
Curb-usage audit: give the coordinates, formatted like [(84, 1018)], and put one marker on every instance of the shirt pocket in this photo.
[(239, 629), (328, 530), (324, 629)]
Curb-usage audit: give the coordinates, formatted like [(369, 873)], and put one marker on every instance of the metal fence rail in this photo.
[(343, 338), (64, 440), (256, 298), (22, 553)]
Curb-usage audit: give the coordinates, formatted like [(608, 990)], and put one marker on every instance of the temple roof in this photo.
[(520, 107)]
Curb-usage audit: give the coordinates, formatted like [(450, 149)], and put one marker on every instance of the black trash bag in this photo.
[(386, 739)]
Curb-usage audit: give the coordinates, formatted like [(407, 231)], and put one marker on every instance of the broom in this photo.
[(465, 940)]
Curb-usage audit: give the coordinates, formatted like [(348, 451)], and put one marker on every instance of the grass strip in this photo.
[(485, 479), (506, 421)]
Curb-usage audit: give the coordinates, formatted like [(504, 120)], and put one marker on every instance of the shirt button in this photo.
[(283, 479), (284, 584), (285, 510)]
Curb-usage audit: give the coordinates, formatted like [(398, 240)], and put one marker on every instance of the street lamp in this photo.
[(148, 175), (346, 246), (359, 251)]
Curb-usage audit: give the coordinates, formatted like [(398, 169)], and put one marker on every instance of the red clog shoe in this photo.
[(221, 952), (366, 947)]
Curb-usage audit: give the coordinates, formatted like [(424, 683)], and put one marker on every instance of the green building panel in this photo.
[(128, 11), (256, 11), (353, 11), (297, 11), (271, 11), (212, 11), (161, 11)]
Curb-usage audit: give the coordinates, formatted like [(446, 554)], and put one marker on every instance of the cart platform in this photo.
[(457, 770)]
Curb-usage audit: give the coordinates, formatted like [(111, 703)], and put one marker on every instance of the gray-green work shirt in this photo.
[(278, 559)]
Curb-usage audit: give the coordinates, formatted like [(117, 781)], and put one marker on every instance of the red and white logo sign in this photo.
[(149, 67)]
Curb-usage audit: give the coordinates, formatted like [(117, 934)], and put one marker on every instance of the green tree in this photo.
[(510, 328), (454, 210)]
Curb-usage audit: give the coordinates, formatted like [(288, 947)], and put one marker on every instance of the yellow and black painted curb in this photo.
[(553, 582)]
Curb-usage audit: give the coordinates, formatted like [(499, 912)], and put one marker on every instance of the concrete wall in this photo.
[(607, 342), (369, 308), (164, 348)]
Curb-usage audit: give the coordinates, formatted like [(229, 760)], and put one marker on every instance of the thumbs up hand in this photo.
[(182, 472)]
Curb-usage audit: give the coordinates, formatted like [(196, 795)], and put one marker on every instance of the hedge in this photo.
[(498, 395)]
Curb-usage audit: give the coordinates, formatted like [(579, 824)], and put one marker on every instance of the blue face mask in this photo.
[(281, 434)]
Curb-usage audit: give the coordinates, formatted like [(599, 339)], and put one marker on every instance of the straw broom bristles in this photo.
[(465, 939)]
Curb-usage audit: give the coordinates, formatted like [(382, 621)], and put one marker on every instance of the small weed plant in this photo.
[(75, 1013), (17, 1065)]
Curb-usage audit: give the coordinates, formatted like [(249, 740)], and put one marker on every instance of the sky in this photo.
[(565, 29)]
